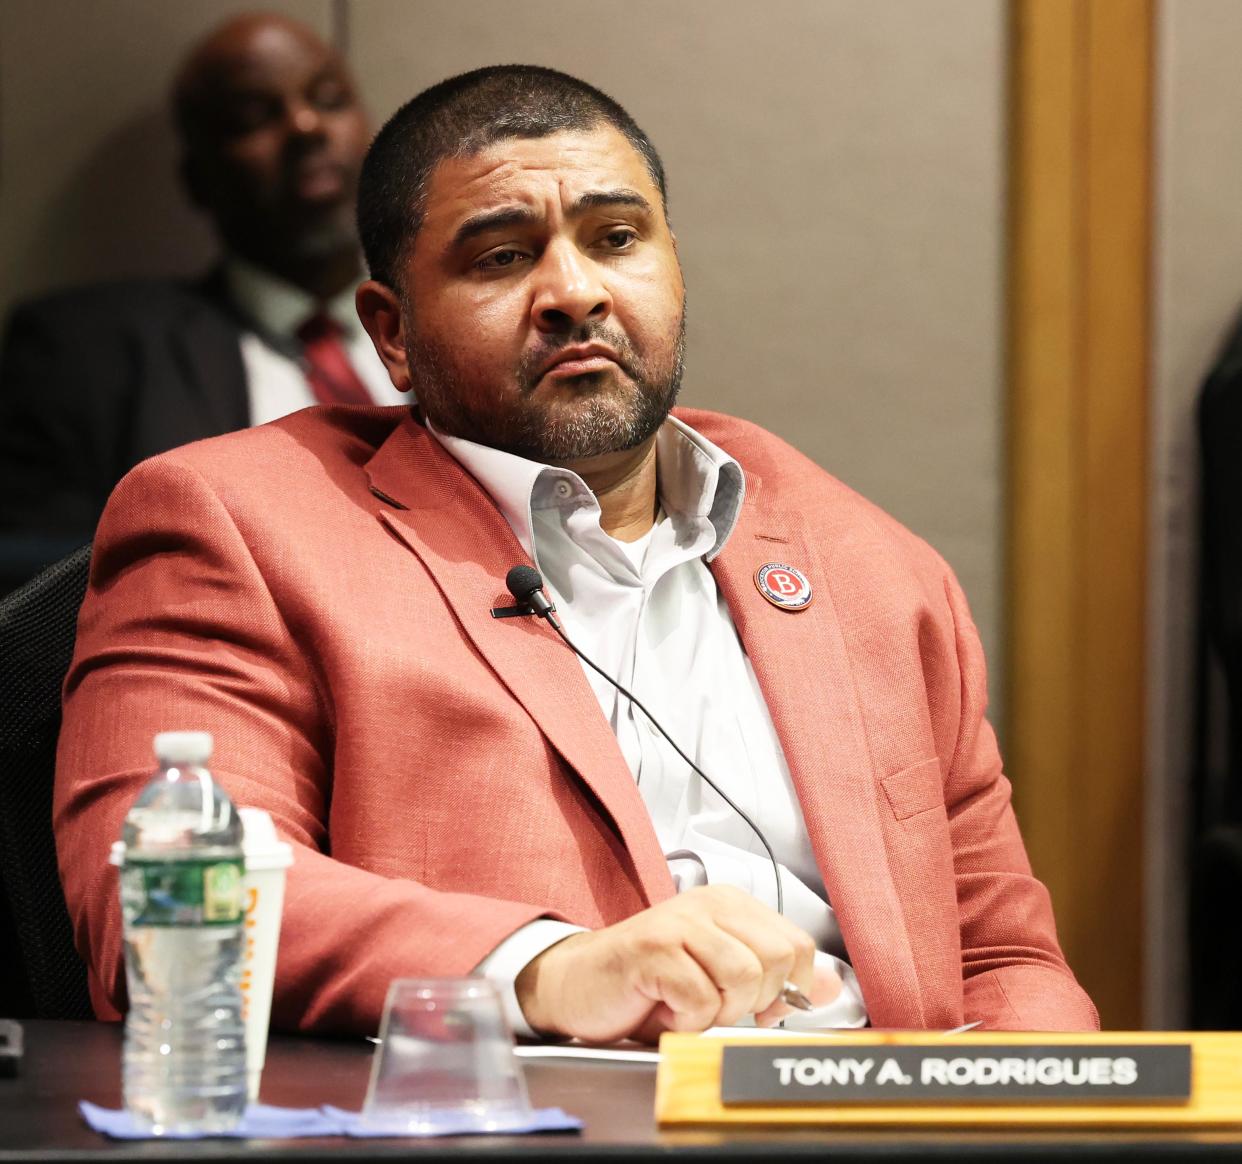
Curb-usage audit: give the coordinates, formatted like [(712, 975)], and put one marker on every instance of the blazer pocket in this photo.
[(916, 789)]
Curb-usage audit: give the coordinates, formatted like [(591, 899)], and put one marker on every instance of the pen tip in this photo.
[(794, 997)]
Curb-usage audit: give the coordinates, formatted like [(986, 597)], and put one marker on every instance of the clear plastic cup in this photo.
[(445, 1055)]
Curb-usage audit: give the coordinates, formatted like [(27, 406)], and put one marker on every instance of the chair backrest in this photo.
[(1215, 941), (38, 624)]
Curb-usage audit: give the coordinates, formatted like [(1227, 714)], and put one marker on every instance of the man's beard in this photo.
[(605, 418)]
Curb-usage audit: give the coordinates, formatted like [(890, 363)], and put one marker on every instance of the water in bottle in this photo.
[(185, 1054)]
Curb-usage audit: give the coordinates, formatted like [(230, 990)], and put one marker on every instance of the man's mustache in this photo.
[(540, 357)]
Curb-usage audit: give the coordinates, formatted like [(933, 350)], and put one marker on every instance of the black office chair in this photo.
[(41, 975)]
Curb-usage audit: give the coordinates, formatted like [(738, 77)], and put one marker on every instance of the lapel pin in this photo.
[(783, 586)]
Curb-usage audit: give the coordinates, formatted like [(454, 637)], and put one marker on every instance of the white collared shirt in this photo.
[(274, 379), (648, 613)]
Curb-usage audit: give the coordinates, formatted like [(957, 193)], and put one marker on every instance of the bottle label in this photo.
[(182, 893)]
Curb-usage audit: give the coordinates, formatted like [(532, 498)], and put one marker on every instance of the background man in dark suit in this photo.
[(96, 379), (1216, 804)]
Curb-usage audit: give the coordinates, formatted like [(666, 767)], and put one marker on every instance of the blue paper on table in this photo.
[(449, 1123), (260, 1122)]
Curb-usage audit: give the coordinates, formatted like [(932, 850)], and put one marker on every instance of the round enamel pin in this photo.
[(784, 586)]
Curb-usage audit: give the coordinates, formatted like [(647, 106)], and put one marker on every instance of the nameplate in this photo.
[(993, 1079), (999, 1073)]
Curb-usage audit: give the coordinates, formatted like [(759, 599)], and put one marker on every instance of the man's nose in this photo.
[(305, 119), (569, 289)]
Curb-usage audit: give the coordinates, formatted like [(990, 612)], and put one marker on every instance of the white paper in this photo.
[(576, 1051)]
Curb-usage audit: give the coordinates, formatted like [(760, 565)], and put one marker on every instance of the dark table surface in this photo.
[(65, 1062)]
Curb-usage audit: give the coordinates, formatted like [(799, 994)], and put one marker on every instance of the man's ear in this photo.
[(380, 312)]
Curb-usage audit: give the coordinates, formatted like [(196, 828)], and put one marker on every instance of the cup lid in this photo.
[(260, 844), (261, 847)]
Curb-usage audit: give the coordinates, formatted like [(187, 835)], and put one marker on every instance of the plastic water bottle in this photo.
[(184, 1064)]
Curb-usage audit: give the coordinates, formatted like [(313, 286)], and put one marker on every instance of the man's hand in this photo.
[(704, 958)]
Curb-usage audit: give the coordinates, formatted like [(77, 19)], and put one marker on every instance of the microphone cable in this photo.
[(525, 583)]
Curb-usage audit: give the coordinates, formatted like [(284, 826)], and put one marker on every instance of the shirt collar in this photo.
[(700, 478), (277, 307), (696, 478)]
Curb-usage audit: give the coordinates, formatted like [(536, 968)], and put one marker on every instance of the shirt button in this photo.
[(563, 488)]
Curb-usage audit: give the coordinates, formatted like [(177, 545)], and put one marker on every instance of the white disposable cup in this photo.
[(263, 890)]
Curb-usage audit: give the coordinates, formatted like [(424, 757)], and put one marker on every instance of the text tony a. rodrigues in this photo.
[(957, 1072)]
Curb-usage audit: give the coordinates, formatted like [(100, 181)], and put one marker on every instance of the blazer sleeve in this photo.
[(1014, 974), (180, 631)]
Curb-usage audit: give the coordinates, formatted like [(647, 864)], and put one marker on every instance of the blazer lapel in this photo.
[(804, 671), (209, 349), (456, 531)]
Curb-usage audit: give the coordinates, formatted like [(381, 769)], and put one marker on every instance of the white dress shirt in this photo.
[(649, 614), (270, 348)]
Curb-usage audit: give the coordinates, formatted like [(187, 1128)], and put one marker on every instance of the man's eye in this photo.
[(498, 260), (619, 240), (240, 117), (330, 95)]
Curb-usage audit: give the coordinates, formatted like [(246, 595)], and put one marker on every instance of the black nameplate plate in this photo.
[(1000, 1073)]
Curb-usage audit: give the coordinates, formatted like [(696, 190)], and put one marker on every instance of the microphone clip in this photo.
[(523, 611)]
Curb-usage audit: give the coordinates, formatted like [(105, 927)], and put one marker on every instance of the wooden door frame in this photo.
[(1078, 382)]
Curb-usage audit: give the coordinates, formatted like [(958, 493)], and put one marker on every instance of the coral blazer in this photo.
[(316, 593)]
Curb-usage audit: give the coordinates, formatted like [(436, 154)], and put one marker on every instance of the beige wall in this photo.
[(837, 177), (1198, 263)]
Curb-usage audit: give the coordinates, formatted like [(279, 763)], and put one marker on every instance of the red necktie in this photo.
[(328, 371)]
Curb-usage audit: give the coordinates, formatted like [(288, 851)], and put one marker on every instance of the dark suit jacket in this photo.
[(1220, 435), (1216, 798), (96, 379)]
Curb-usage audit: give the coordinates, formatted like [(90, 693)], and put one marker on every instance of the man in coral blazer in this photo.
[(317, 593)]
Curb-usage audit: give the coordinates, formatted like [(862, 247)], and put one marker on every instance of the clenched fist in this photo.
[(704, 958)]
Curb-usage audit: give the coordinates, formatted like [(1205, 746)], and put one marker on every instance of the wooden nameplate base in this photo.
[(979, 1079)]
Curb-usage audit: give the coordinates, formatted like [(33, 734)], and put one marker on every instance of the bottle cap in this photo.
[(174, 748)]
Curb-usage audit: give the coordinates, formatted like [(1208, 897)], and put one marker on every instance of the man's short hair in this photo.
[(460, 117)]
